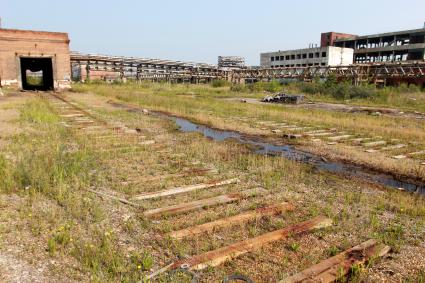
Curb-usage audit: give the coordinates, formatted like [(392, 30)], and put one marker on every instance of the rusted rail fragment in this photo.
[(199, 204), (233, 220), (185, 189), (219, 256), (337, 266)]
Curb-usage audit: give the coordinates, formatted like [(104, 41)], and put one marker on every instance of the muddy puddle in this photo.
[(290, 152)]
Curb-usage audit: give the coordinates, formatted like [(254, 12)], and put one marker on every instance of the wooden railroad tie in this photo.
[(199, 204), (233, 220), (185, 189), (332, 269), (219, 256)]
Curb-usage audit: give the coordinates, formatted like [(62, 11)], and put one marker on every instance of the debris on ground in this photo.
[(284, 98)]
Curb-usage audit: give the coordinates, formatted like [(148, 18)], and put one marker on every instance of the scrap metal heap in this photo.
[(283, 98)]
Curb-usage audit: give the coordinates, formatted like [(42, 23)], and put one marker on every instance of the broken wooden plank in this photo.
[(219, 256), (233, 220), (185, 189), (332, 269), (71, 115), (147, 142), (401, 156), (338, 138), (359, 140), (417, 153), (199, 204), (374, 143), (316, 132), (320, 134), (102, 194), (396, 146)]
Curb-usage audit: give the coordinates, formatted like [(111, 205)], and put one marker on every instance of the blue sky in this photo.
[(196, 30)]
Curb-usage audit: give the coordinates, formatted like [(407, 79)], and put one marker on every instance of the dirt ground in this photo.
[(149, 155)]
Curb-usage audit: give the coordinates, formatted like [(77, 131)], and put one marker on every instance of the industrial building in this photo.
[(408, 45), (399, 46), (231, 62), (34, 60), (313, 56)]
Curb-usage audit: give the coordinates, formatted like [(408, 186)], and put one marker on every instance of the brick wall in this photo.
[(23, 43), (328, 38)]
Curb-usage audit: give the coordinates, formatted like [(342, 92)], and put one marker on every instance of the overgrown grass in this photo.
[(80, 226), (39, 112), (47, 167), (409, 97), (199, 101)]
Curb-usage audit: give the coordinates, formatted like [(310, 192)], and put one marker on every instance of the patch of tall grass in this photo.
[(38, 111)]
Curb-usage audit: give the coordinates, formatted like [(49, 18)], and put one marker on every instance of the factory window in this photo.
[(323, 64), (304, 65), (292, 57), (272, 58), (287, 57), (310, 55), (282, 58), (323, 54), (317, 54), (298, 65), (304, 55), (298, 56), (310, 64)]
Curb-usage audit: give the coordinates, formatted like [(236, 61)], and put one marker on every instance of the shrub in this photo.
[(219, 83), (273, 86), (238, 88)]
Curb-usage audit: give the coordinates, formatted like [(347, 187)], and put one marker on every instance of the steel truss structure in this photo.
[(90, 66), (358, 73), (109, 68)]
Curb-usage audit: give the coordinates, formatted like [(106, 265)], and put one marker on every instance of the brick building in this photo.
[(34, 60), (329, 38)]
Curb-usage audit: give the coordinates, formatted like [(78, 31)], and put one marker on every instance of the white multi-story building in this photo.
[(314, 56)]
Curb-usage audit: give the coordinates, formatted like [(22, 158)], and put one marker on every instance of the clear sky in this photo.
[(196, 30)]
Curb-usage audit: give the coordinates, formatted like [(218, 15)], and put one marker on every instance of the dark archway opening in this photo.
[(37, 73)]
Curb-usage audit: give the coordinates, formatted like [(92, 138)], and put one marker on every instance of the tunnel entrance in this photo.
[(37, 73)]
